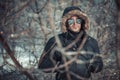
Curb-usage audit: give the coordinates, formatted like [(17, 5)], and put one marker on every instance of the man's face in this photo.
[(74, 24)]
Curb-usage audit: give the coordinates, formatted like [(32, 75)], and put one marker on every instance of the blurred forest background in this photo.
[(26, 25)]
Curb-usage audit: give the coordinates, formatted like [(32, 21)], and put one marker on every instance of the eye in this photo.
[(70, 21), (79, 21)]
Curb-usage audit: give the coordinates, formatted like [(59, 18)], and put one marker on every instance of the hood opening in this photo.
[(71, 13)]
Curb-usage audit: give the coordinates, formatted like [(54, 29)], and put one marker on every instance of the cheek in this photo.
[(80, 26), (70, 27)]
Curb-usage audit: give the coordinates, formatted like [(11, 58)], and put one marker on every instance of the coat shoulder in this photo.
[(92, 43)]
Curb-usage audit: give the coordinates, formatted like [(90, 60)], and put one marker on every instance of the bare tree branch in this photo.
[(11, 54)]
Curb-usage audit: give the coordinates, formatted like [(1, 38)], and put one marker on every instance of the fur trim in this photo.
[(78, 13)]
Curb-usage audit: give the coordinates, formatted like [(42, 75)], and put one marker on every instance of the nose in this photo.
[(75, 22)]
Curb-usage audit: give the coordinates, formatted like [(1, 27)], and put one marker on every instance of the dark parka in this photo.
[(88, 55)]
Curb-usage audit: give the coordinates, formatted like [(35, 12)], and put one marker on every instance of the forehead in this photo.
[(74, 17)]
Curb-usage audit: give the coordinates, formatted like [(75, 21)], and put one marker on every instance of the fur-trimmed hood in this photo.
[(70, 11)]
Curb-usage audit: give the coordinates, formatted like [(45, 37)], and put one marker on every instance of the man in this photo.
[(74, 54)]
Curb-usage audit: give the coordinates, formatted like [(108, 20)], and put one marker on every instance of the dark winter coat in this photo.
[(88, 56), (82, 69)]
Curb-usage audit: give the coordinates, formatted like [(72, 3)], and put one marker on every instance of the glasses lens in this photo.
[(70, 21), (78, 21)]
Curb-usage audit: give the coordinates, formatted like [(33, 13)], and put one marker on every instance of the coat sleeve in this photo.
[(50, 56), (97, 64), (45, 60)]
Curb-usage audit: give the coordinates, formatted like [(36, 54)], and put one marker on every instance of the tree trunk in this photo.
[(118, 34)]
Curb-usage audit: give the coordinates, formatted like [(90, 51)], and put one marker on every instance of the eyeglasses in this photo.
[(71, 21)]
